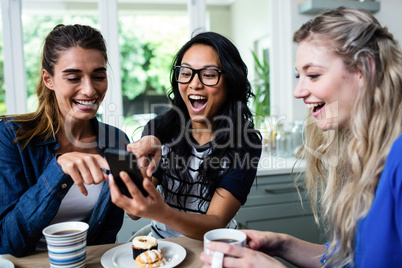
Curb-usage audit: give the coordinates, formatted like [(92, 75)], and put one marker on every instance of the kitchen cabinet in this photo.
[(274, 205)]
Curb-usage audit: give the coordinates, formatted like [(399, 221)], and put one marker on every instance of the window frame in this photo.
[(14, 65)]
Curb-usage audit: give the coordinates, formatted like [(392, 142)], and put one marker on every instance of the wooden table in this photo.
[(94, 254)]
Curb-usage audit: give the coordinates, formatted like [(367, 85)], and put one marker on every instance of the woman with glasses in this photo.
[(210, 149)]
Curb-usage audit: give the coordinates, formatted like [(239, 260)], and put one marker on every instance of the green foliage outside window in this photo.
[(146, 53), (149, 67), (261, 87), (2, 88)]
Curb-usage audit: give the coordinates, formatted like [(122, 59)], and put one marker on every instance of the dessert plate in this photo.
[(122, 256)]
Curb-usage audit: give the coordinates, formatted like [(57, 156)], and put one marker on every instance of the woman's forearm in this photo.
[(190, 224), (222, 209), (301, 253)]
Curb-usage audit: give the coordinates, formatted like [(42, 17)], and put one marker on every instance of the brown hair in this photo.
[(45, 121)]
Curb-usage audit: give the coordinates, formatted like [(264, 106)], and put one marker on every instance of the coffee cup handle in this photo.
[(217, 260)]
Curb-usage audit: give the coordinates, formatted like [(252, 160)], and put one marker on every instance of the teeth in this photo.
[(85, 103), (313, 105), (196, 97)]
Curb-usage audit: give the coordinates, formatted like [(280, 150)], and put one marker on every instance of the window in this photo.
[(149, 36), (2, 87), (35, 26), (148, 42)]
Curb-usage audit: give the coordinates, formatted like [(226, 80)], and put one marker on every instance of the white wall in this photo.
[(299, 109), (250, 23), (390, 16), (219, 18)]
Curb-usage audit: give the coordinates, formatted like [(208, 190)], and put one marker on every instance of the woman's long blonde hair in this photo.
[(45, 121), (345, 165)]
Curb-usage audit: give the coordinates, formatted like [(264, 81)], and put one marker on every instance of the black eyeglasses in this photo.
[(207, 76)]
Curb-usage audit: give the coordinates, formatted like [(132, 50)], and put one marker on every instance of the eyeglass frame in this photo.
[(197, 71)]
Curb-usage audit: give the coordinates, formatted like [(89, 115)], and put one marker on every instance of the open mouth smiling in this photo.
[(315, 106), (197, 102), (86, 103)]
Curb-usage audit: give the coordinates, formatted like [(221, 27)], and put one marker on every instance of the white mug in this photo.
[(231, 236), (66, 244)]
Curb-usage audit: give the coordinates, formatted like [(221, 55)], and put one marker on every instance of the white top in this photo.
[(75, 207)]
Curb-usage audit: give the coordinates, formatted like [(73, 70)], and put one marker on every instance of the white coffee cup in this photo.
[(231, 236), (66, 243)]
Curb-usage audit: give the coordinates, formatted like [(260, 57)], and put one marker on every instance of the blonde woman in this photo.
[(349, 71)]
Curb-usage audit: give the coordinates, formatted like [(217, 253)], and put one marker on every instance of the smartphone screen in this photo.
[(120, 160)]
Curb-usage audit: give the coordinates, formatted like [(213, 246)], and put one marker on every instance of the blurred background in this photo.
[(142, 38)]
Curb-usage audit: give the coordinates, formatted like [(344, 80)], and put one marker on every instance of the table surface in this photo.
[(94, 255)]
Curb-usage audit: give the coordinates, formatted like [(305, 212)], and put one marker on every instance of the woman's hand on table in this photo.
[(296, 251), (261, 247), (83, 168), (239, 257), (148, 152)]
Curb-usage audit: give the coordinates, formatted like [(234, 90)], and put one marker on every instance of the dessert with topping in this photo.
[(150, 258), (142, 244)]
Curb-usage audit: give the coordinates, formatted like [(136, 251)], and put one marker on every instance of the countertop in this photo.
[(273, 164)]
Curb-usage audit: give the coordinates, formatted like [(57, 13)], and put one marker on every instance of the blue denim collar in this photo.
[(99, 128)]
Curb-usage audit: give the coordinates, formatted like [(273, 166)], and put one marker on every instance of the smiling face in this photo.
[(79, 82), (325, 85), (202, 102)]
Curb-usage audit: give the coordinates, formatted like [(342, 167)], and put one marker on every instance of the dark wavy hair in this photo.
[(169, 126)]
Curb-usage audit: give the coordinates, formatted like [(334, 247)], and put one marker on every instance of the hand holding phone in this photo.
[(121, 160)]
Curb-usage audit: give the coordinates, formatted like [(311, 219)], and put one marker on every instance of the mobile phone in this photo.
[(121, 160)]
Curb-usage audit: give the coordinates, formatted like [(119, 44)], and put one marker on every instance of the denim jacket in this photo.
[(32, 186)]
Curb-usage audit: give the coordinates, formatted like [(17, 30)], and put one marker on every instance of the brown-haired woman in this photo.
[(51, 160)]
